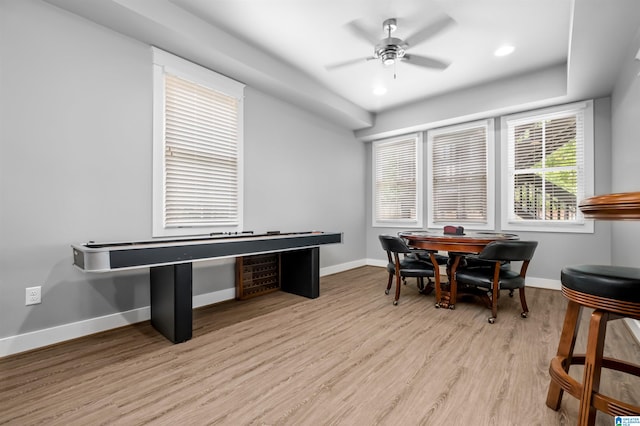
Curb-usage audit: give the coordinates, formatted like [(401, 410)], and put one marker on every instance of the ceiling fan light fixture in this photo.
[(389, 53), (379, 90), (388, 58)]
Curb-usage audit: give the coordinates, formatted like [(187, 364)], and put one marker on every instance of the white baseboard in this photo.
[(214, 297), (328, 270), (49, 336), (634, 328), (376, 262), (543, 283)]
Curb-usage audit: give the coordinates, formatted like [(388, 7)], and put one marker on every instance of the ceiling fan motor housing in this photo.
[(390, 49)]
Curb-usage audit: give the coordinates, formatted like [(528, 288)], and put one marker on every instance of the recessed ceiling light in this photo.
[(504, 50), (379, 90)]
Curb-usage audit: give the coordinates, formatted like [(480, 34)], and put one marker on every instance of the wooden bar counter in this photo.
[(619, 206)]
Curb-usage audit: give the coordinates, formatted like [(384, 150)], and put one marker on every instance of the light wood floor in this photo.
[(349, 357)]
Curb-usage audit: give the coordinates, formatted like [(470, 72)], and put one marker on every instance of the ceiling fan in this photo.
[(391, 50)]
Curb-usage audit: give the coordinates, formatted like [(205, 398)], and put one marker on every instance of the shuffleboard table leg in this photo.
[(300, 273), (171, 301)]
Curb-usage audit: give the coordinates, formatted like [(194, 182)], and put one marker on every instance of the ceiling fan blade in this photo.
[(423, 61), (356, 28), (332, 67), (429, 31)]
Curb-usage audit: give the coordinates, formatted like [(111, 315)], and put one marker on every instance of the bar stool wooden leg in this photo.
[(592, 367), (565, 350)]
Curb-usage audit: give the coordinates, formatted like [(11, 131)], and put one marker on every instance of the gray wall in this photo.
[(625, 106), (75, 165)]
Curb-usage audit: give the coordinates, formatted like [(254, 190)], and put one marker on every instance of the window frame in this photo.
[(166, 63), (489, 125), (580, 225), (399, 223)]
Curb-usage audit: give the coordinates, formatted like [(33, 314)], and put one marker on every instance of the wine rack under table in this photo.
[(257, 275)]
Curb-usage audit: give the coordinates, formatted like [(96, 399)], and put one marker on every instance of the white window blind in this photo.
[(545, 167), (198, 159), (397, 176), (201, 155), (460, 181)]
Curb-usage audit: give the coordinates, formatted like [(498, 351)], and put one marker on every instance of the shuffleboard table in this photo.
[(171, 260)]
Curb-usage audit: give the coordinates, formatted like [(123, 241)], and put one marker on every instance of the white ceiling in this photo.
[(311, 34), (284, 46)]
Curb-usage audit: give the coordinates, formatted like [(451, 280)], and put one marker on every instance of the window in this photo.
[(547, 168), (197, 149), (461, 179), (397, 177)]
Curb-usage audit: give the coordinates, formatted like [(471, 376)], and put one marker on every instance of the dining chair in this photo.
[(403, 263), (471, 260), (425, 255), (498, 277)]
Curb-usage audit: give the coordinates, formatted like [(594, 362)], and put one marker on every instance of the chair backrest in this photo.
[(393, 244), (509, 250)]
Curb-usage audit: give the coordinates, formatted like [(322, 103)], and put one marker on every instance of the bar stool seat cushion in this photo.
[(611, 282)]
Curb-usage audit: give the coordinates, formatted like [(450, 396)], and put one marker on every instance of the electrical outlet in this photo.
[(33, 296)]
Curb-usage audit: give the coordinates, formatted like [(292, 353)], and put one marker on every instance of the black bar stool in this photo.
[(613, 292)]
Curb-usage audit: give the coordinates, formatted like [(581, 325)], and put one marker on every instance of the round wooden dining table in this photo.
[(457, 245)]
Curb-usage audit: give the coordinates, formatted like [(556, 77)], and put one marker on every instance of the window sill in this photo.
[(582, 228)]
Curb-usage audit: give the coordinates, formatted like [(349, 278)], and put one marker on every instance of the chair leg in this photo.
[(436, 276), (592, 367), (453, 284), (389, 282), (565, 351), (494, 303), (398, 279), (523, 302), (495, 293)]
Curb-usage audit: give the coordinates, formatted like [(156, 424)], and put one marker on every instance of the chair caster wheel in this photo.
[(386, 292), (510, 293), (492, 320), (452, 307), (524, 314), (395, 303), (437, 306)]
